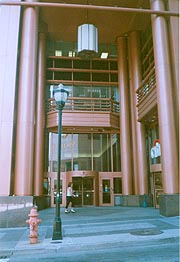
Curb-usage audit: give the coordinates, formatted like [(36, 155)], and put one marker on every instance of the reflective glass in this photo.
[(98, 152), (101, 152), (116, 152)]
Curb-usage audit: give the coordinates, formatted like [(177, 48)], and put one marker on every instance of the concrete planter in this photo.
[(169, 205)]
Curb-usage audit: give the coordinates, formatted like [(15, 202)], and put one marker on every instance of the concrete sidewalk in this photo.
[(96, 234)]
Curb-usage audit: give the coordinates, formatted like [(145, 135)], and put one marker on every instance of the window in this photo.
[(85, 152), (117, 185)]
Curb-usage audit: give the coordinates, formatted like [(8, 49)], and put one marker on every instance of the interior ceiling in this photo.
[(63, 22)]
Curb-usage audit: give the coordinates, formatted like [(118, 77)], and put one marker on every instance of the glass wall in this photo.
[(69, 49), (102, 152), (93, 91), (96, 152), (116, 152)]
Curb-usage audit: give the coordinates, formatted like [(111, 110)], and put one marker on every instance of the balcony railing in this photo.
[(147, 86), (86, 104)]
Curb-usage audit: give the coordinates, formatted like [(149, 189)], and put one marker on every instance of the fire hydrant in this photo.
[(33, 222)]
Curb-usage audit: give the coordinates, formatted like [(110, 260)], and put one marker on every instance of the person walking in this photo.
[(69, 198)]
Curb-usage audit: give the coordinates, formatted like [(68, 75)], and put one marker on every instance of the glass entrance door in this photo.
[(157, 188), (88, 191), (84, 191), (106, 191)]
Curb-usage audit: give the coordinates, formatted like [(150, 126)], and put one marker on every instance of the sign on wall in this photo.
[(156, 149)]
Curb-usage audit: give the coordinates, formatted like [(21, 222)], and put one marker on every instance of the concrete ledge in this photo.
[(15, 202), (14, 210), (169, 205), (137, 200)]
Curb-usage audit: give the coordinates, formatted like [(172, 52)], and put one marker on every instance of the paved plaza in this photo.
[(107, 234)]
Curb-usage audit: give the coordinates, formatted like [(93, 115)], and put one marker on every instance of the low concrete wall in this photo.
[(169, 205), (15, 202), (14, 210), (137, 200)]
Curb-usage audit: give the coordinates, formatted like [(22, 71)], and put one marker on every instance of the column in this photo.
[(166, 114), (9, 35), (40, 114), (138, 133), (173, 5), (26, 104), (125, 134)]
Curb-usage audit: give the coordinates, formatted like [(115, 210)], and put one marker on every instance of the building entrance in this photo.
[(157, 187), (84, 191)]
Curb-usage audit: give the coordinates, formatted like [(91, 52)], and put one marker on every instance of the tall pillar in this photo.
[(26, 104), (133, 125), (40, 115), (173, 5), (9, 35), (166, 114), (138, 133), (125, 133)]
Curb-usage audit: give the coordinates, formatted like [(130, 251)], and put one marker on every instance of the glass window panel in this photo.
[(115, 93), (100, 77), (82, 156), (100, 64), (101, 152), (116, 152), (81, 64), (67, 147), (100, 91), (64, 46), (117, 185), (50, 48), (62, 63), (81, 76), (113, 65), (103, 48), (77, 187), (77, 150), (88, 190), (82, 91), (46, 186), (106, 191), (96, 92), (113, 51)]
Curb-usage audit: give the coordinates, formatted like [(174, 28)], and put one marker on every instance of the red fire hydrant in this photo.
[(33, 222)]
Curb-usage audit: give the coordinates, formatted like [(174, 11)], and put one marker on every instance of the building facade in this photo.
[(120, 123)]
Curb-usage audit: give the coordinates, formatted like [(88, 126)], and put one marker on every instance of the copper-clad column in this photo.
[(174, 50), (133, 125), (169, 143), (26, 104), (138, 136), (9, 35), (125, 133), (40, 114)]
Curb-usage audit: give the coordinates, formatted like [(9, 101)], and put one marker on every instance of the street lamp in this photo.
[(60, 96)]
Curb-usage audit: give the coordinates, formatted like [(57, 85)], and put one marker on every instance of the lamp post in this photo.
[(60, 96)]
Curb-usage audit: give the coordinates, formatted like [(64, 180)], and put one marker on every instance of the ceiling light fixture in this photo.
[(104, 55), (87, 40)]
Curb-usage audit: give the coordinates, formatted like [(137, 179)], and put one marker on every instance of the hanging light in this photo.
[(87, 41)]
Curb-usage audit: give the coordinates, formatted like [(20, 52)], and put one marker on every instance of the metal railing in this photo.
[(86, 104), (148, 84)]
